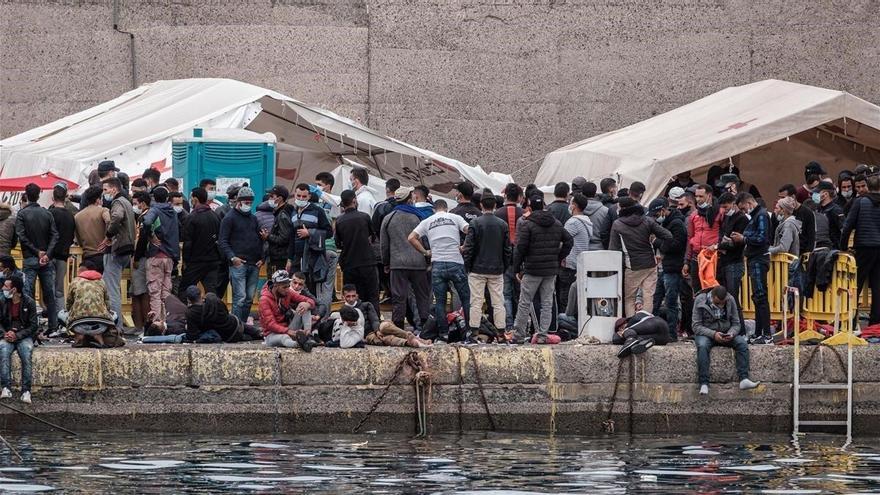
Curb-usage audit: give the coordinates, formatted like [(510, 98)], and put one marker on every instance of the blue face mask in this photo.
[(245, 208), (816, 197)]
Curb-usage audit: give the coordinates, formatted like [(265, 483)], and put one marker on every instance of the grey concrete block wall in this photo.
[(494, 83)]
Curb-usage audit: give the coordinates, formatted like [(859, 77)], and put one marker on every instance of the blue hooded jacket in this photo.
[(161, 221)]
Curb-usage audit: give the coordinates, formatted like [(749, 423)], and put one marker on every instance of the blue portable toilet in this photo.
[(226, 155)]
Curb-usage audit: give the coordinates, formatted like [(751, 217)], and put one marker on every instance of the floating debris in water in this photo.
[(269, 446), (673, 472), (329, 467), (297, 479), (701, 452), (754, 467), (25, 488), (142, 465)]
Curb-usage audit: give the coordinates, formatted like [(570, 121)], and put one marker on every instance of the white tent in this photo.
[(769, 129), (136, 130)]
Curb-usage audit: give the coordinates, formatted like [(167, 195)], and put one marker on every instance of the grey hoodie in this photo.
[(598, 214), (397, 252), (787, 238), (7, 229), (707, 319)]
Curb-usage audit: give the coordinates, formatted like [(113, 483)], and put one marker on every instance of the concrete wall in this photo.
[(497, 83), (248, 388)]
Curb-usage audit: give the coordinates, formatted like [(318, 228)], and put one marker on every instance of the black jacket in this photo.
[(380, 211), (673, 250), (730, 252), (834, 213), (279, 236), (354, 232), (820, 271), (631, 235), (468, 211), (542, 244), (27, 315), (240, 237), (487, 249), (200, 235), (559, 210), (864, 217), (36, 230), (66, 227), (212, 314)]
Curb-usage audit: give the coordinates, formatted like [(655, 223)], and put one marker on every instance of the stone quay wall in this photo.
[(497, 83), (566, 389)]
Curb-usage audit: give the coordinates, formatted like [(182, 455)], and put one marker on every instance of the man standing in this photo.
[(487, 254), (832, 210), (66, 226), (159, 225), (864, 218), (330, 205), (631, 234), (559, 207), (702, 227), (465, 208), (120, 237), (91, 226), (731, 267), (382, 209), (152, 176), (807, 239), (407, 267), (241, 245), (443, 232), (35, 227), (672, 253), (365, 200), (542, 244), (598, 215), (581, 229), (717, 323), (279, 237), (200, 236), (510, 213), (7, 229), (18, 323), (756, 238), (173, 186), (353, 234), (310, 229), (140, 294)]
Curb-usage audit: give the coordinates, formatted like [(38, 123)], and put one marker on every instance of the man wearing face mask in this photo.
[(832, 211), (159, 226), (241, 245), (803, 214), (466, 208), (310, 229), (18, 324), (581, 229), (703, 227), (140, 295), (682, 180), (38, 235), (844, 189), (756, 239), (210, 187), (671, 253), (279, 237), (730, 254), (359, 179), (200, 253), (120, 238), (91, 225)]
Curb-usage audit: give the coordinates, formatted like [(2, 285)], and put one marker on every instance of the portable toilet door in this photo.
[(600, 293), (226, 155)]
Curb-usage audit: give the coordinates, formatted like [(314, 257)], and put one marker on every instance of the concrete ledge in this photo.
[(250, 388)]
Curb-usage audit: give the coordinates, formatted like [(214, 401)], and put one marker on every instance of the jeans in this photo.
[(325, 289), (163, 339), (511, 298), (532, 284), (868, 263), (60, 276), (243, 279), (204, 273), (24, 347), (444, 274), (46, 274), (301, 322), (477, 283), (566, 278), (668, 289), (758, 268), (741, 352), (279, 340), (113, 267), (731, 278)]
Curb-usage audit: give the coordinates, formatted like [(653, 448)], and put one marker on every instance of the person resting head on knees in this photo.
[(208, 320), (376, 331), (87, 314), (348, 329), (717, 322), (639, 333)]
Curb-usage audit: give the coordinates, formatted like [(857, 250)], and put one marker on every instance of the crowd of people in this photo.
[(509, 261)]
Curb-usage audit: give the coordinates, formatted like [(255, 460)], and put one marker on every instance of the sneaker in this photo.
[(26, 397), (746, 384), (60, 332), (704, 390), (762, 340), (6, 393), (305, 343)]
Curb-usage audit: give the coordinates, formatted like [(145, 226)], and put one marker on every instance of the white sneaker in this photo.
[(26, 397), (6, 393), (704, 390), (746, 384)]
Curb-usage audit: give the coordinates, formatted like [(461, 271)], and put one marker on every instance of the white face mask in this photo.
[(422, 204), (178, 209), (108, 197), (780, 217), (301, 203), (245, 208), (730, 212), (846, 194), (212, 195), (136, 209), (7, 294)]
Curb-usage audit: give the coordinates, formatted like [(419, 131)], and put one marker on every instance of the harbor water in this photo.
[(478, 462)]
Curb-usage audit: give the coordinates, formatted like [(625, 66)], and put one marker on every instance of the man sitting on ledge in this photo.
[(716, 321), (209, 322), (88, 315), (285, 315)]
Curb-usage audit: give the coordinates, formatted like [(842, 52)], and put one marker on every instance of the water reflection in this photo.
[(444, 464)]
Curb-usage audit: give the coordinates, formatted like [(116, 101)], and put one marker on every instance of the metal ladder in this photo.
[(798, 386)]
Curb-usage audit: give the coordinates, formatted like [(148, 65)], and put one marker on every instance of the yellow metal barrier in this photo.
[(823, 305), (777, 280)]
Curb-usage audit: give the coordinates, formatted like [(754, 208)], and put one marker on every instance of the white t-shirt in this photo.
[(442, 230)]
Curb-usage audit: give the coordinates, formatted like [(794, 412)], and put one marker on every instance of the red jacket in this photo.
[(700, 235), (272, 316)]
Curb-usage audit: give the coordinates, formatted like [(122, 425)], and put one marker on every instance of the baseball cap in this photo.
[(577, 184), (402, 193), (245, 193), (61, 184), (676, 193), (726, 179), (279, 190), (536, 201), (656, 205), (280, 277), (107, 166)]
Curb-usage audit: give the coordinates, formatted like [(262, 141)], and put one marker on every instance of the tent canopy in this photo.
[(45, 181), (136, 131), (770, 129)]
